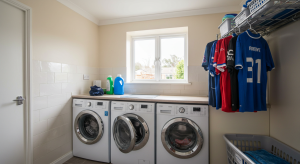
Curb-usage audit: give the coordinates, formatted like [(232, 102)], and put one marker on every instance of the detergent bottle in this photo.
[(109, 85), (119, 85)]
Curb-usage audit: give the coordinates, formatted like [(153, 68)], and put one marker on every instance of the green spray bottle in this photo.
[(109, 85)]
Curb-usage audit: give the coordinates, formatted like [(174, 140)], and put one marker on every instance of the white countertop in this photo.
[(159, 98)]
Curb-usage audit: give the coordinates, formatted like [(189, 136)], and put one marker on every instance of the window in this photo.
[(159, 58)]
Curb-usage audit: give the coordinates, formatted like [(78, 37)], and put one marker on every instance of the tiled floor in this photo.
[(76, 160)]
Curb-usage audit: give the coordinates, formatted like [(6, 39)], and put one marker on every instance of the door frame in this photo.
[(28, 147)]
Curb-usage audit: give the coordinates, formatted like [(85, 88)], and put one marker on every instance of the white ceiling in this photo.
[(119, 11)]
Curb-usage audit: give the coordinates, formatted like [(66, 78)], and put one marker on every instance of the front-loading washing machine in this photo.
[(133, 133), (91, 131), (182, 134)]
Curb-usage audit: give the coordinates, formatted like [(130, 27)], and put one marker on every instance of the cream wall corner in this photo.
[(61, 35)]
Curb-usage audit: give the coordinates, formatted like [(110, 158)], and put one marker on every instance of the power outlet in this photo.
[(86, 77)]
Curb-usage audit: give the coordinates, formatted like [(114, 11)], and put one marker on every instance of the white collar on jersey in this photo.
[(253, 36)]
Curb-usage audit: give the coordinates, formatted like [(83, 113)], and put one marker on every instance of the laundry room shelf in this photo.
[(269, 17)]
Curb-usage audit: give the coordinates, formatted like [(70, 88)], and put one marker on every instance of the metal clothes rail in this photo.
[(269, 17)]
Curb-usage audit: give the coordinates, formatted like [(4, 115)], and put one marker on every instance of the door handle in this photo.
[(19, 100)]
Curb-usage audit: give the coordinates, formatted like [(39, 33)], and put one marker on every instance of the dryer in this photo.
[(91, 129), (133, 133), (182, 134)]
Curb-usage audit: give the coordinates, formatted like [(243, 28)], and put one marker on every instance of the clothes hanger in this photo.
[(236, 32), (251, 27)]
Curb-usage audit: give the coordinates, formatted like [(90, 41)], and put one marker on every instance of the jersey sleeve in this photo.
[(211, 59), (221, 63), (216, 54), (269, 59), (231, 55), (204, 61), (239, 55), (217, 71)]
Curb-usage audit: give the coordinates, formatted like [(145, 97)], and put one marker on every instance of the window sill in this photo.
[(177, 83)]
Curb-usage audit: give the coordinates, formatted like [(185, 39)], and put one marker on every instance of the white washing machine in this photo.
[(182, 134), (133, 133), (91, 131)]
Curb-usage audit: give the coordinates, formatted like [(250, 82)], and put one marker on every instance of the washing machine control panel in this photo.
[(140, 107), (147, 107), (101, 104), (182, 110), (198, 110), (84, 103), (78, 103), (191, 110)]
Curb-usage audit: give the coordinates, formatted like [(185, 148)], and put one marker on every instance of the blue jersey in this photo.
[(254, 59), (205, 61), (211, 68), (218, 92), (212, 91)]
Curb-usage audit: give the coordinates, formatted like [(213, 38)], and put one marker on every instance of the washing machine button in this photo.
[(89, 104), (131, 107), (181, 110)]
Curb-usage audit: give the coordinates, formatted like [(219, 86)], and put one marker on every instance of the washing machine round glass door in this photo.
[(88, 127), (182, 138), (130, 132)]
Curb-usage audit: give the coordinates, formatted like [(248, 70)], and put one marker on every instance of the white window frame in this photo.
[(157, 39)]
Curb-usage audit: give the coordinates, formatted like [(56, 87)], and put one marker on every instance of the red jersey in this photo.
[(225, 86), (217, 54)]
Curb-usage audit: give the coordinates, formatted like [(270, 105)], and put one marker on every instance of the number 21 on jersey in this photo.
[(250, 69)]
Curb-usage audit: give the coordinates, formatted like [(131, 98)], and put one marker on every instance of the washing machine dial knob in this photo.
[(131, 107), (89, 104), (181, 110)]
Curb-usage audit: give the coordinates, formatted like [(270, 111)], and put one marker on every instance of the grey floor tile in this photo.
[(75, 160), (93, 162)]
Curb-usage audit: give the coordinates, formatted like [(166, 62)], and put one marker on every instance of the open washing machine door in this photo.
[(88, 127), (182, 138), (130, 132)]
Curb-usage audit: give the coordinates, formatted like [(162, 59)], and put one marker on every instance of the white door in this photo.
[(12, 72)]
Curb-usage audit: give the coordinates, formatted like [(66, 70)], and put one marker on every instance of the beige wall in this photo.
[(62, 35), (65, 46), (284, 88), (237, 123), (202, 29)]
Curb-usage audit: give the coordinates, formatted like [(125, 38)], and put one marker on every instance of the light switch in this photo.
[(86, 77)]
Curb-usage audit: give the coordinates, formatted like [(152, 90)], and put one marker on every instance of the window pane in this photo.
[(172, 58), (144, 51)]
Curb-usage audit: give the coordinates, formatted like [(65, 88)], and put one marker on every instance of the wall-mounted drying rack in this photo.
[(269, 17)]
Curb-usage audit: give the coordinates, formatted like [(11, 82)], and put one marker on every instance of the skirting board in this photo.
[(63, 158)]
